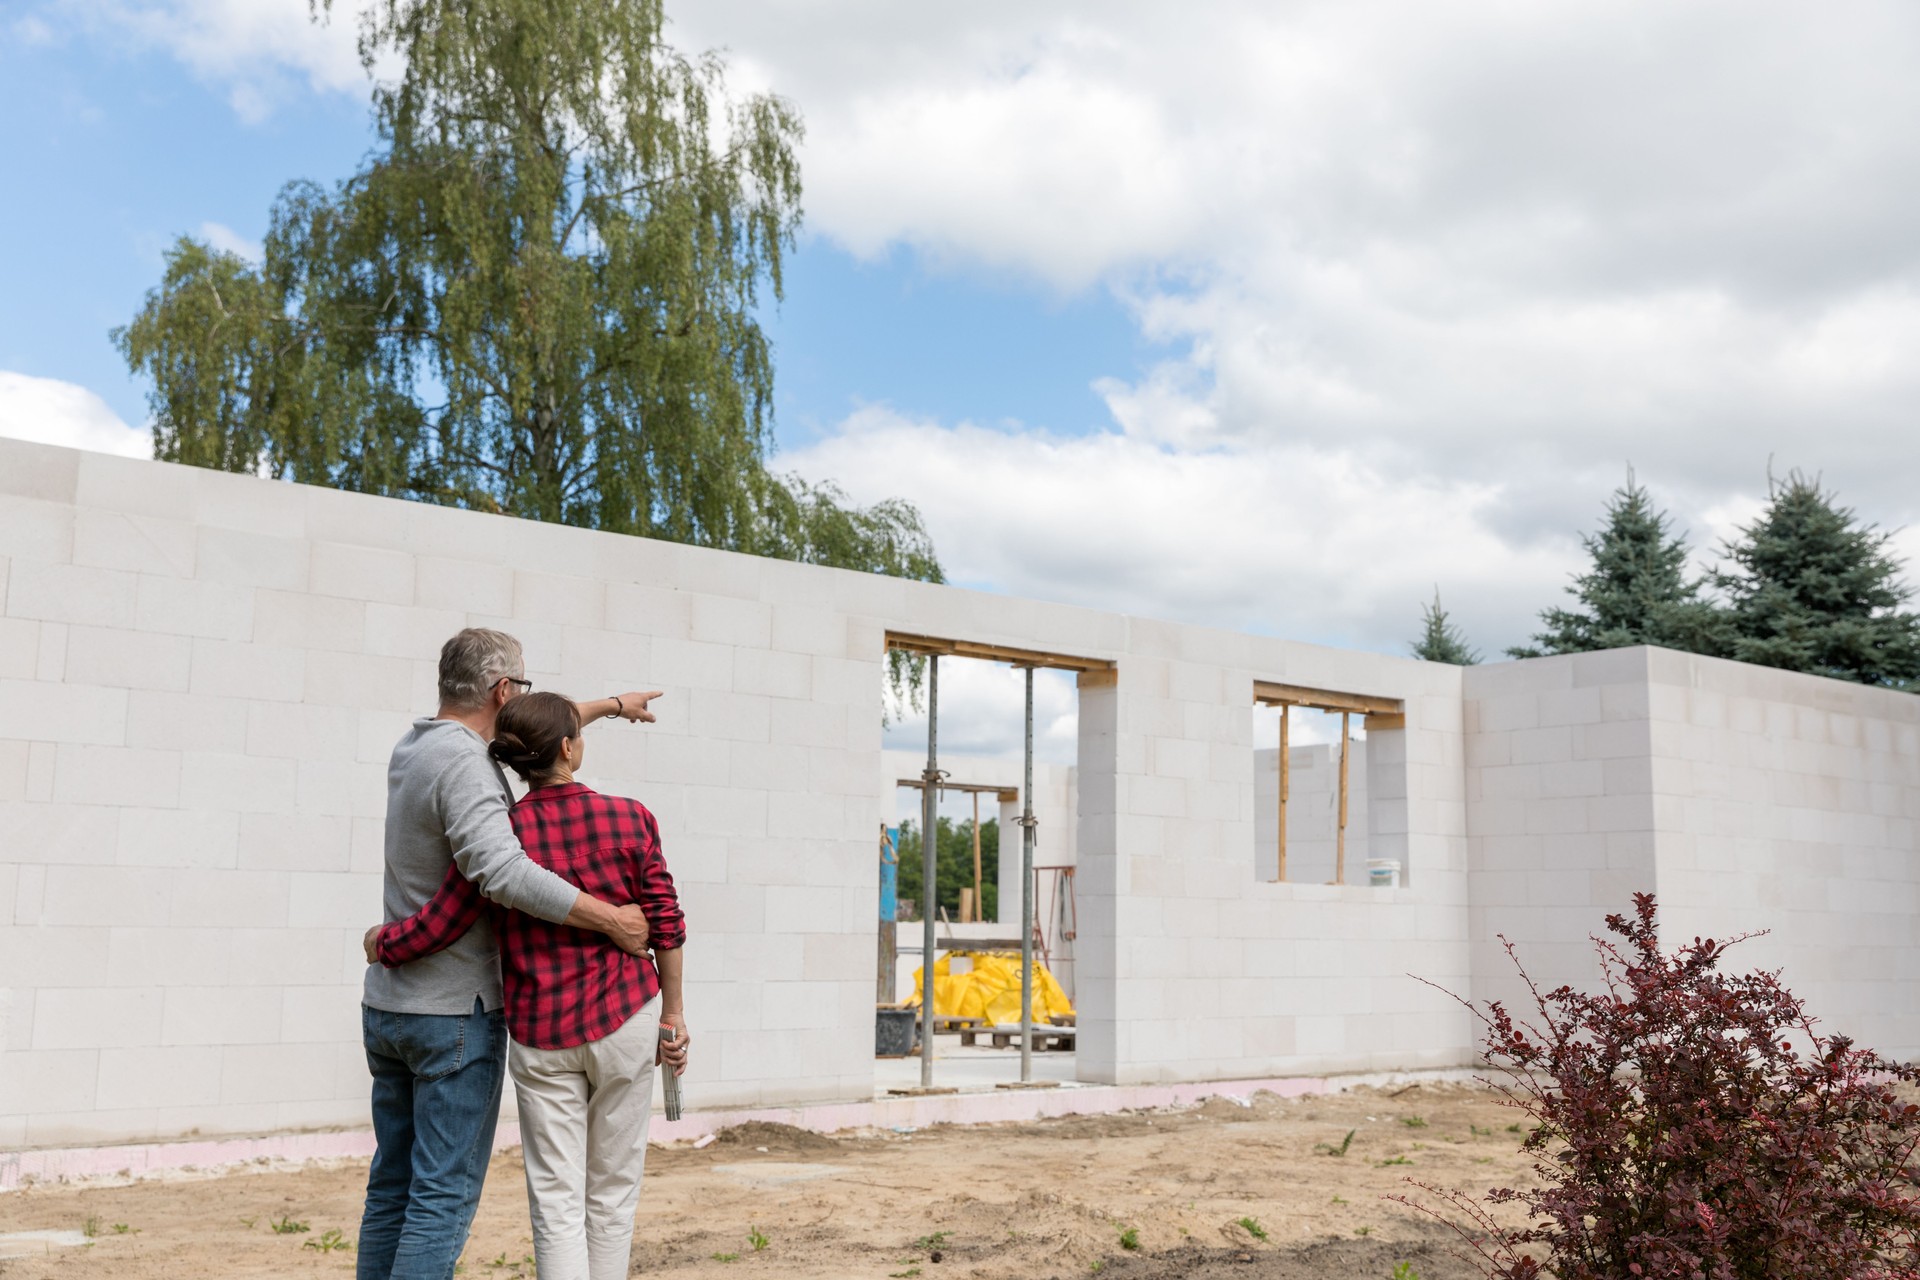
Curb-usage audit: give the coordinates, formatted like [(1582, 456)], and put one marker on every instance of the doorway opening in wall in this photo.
[(1329, 787), (985, 758)]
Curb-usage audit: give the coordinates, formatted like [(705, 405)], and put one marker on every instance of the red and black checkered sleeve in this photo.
[(666, 924), (448, 914)]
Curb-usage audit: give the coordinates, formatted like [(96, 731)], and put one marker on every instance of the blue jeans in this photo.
[(436, 1099)]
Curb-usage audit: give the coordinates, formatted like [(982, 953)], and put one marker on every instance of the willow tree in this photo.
[(538, 295)]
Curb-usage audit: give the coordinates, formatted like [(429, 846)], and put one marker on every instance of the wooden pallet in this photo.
[(946, 1025), (1046, 1039)]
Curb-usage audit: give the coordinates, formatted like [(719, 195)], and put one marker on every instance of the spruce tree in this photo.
[(1440, 640), (1636, 592), (1812, 589)]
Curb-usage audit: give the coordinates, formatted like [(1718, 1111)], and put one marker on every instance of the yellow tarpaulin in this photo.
[(990, 989)]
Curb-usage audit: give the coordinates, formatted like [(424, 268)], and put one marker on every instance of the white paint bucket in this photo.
[(1383, 873)]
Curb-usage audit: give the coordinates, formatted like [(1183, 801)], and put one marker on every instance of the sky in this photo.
[(1273, 316)]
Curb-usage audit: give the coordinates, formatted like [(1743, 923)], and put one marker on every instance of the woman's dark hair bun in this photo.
[(510, 751), (530, 731)]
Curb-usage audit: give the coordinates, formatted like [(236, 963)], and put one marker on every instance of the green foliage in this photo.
[(1440, 640), (286, 1225), (757, 1238), (1253, 1228), (329, 1242), (537, 296), (1811, 589), (1636, 591), (953, 865), (1129, 1238), (1405, 1271), (1328, 1149)]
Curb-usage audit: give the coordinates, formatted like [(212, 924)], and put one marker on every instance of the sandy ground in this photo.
[(1047, 1199)]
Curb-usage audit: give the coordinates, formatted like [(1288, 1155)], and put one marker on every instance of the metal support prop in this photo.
[(1027, 825), (1340, 857), (929, 803), (1286, 777)]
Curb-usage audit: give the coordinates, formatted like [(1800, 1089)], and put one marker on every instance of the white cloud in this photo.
[(983, 709), (1281, 538), (53, 412), (227, 240), (261, 51), (1433, 275)]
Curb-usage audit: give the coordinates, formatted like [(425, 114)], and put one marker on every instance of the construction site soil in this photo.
[(1261, 1188)]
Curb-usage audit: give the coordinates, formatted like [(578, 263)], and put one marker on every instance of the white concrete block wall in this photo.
[(1560, 811), (201, 676), (1790, 803), (1213, 971)]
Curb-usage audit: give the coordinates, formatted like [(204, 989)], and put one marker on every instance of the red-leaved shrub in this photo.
[(1680, 1135)]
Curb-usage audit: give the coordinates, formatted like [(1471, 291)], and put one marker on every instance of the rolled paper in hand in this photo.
[(671, 1079)]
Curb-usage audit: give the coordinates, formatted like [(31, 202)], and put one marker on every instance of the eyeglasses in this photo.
[(525, 686)]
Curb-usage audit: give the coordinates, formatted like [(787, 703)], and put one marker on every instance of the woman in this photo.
[(585, 1016)]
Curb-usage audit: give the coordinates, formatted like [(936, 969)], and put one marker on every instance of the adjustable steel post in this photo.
[(1026, 901), (929, 802)]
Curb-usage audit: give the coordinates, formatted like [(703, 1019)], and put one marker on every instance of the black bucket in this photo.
[(893, 1032)]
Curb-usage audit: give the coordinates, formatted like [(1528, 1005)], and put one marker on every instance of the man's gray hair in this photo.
[(472, 663)]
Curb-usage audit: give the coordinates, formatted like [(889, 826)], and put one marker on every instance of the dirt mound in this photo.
[(1323, 1258), (1226, 1110), (755, 1134)]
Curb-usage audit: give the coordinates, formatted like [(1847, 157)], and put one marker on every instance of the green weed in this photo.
[(1414, 1122), (1363, 1231), (1130, 1238), (286, 1226), (1328, 1149), (1253, 1228), (91, 1227), (1478, 1132), (726, 1257), (757, 1238), (928, 1243), (329, 1242), (1395, 1160), (1405, 1271)]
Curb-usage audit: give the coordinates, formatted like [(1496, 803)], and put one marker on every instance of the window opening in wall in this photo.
[(1337, 765), (994, 926)]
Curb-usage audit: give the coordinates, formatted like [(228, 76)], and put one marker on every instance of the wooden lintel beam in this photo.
[(1274, 694), (1378, 721), (999, 790), (1100, 678), (995, 653)]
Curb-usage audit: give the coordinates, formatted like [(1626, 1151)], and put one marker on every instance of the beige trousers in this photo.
[(583, 1131)]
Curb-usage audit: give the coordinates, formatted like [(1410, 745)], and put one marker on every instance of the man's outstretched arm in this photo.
[(627, 706)]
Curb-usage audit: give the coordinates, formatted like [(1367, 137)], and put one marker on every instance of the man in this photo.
[(434, 1032)]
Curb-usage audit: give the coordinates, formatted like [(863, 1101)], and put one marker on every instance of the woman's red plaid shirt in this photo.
[(563, 986)]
